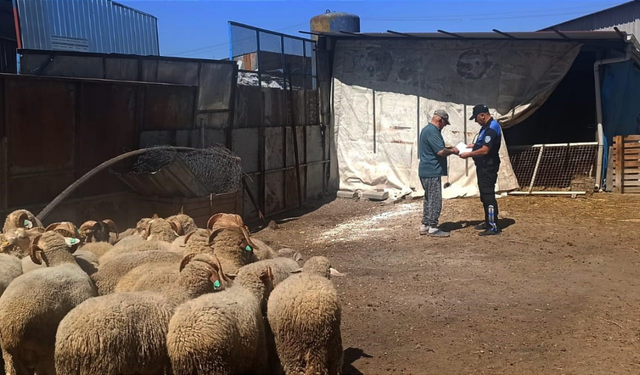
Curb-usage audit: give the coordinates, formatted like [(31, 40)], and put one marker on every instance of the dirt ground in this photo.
[(556, 293)]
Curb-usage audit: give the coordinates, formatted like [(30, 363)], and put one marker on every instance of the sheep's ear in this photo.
[(147, 230), (186, 238), (297, 271), (187, 258), (214, 234), (245, 232), (212, 220), (35, 251), (231, 276), (334, 272), (297, 256), (155, 216), (113, 228), (177, 227)]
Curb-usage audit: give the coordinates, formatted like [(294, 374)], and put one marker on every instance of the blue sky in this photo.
[(198, 28)]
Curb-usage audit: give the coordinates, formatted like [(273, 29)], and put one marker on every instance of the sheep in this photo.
[(34, 304), (16, 242), (161, 230), (21, 219), (135, 245), (282, 267), (182, 243), (304, 314), (125, 333), (110, 271), (68, 230), (10, 268), (85, 259), (97, 248), (231, 246), (184, 222), (99, 231), (220, 333), (222, 220)]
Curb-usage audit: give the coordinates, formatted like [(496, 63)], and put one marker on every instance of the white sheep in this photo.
[(34, 304), (135, 244), (97, 248), (10, 268), (220, 333), (304, 314), (161, 230), (230, 245), (16, 241), (110, 271), (182, 244), (124, 333)]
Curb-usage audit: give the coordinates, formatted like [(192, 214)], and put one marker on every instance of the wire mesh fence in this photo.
[(555, 167), (265, 58), (217, 168)]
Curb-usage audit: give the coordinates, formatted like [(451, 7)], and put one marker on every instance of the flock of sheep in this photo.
[(165, 297)]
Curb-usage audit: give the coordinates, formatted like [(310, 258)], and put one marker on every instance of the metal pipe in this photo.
[(599, 129), (54, 203)]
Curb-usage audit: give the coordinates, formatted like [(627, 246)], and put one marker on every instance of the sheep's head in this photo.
[(219, 221), (16, 242), (184, 222), (141, 225), (290, 253), (45, 245), (319, 266), (99, 231), (236, 237), (21, 219), (161, 230), (196, 268), (68, 230)]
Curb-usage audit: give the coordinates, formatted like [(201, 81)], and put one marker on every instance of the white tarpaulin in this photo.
[(399, 83)]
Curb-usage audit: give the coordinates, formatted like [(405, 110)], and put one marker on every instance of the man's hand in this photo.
[(470, 145), (455, 151), (465, 155)]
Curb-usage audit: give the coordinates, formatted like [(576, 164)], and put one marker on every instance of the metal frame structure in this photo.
[(289, 77)]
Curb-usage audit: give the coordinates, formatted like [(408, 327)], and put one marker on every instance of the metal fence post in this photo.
[(535, 170)]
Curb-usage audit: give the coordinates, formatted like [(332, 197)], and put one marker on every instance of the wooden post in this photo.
[(619, 163)]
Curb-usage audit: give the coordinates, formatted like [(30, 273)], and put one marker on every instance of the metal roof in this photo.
[(613, 8), (580, 36)]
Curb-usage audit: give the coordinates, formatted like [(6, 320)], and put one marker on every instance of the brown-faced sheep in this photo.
[(34, 304), (100, 231), (125, 333), (304, 314), (223, 220), (220, 334)]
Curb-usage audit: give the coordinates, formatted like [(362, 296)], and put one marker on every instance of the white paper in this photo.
[(463, 148)]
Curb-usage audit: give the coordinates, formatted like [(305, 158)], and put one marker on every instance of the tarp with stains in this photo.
[(398, 84)]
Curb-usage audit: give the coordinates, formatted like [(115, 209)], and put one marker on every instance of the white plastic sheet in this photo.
[(399, 83)]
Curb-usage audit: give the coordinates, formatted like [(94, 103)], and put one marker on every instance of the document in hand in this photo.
[(463, 148)]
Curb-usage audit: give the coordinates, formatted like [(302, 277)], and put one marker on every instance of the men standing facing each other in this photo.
[(485, 156), (433, 165)]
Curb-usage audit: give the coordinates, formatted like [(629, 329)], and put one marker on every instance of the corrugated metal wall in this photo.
[(101, 26), (625, 17)]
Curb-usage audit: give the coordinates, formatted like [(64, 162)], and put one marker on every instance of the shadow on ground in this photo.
[(453, 226), (294, 214), (350, 356)]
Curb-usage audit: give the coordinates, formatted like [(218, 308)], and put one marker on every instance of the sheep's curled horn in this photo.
[(187, 258), (35, 251)]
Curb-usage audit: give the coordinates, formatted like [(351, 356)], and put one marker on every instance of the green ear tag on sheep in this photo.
[(216, 284), (248, 248), (71, 241), (28, 224)]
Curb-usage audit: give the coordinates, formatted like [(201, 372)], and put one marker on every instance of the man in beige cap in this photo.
[(433, 165)]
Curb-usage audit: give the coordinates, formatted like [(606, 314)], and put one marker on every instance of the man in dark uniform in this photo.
[(485, 155)]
